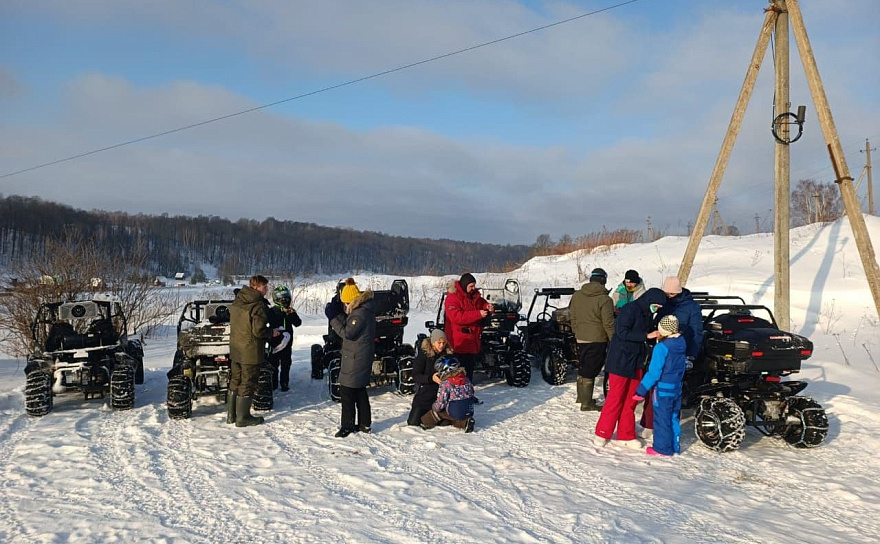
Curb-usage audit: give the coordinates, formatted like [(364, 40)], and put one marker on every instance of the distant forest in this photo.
[(271, 247)]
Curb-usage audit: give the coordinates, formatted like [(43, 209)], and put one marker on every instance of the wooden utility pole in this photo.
[(739, 112), (868, 170), (757, 224), (838, 159), (782, 176)]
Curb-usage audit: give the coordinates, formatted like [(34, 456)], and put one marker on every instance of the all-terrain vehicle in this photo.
[(547, 333), (502, 354), (82, 346), (737, 380), (201, 363), (393, 358)]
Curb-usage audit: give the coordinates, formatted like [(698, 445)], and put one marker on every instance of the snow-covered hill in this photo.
[(529, 473)]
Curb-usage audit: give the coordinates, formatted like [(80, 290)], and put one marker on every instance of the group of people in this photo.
[(615, 331)]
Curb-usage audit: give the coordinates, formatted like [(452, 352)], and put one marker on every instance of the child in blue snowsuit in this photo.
[(665, 374), (455, 397)]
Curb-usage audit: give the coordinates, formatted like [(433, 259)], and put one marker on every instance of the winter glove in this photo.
[(638, 398), (333, 308), (688, 363)]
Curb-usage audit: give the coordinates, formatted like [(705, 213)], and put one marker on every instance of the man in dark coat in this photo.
[(353, 318), (465, 309), (248, 333), (425, 376), (624, 367), (283, 318), (592, 321)]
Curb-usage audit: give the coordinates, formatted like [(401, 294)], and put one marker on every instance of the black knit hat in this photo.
[(466, 279), (632, 276), (599, 275)]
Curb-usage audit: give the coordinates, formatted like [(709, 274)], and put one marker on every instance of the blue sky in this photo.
[(599, 122)]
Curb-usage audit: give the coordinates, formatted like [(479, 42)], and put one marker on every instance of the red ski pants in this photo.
[(619, 409)]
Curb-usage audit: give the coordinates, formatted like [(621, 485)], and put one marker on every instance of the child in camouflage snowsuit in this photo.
[(455, 398)]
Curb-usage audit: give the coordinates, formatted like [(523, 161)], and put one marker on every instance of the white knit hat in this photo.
[(668, 325)]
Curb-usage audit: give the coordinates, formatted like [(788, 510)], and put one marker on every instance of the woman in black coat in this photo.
[(623, 367), (424, 375)]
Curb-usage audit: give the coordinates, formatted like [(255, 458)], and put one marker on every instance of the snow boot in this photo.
[(651, 451), (243, 417), (585, 389), (343, 432), (600, 442), (580, 390), (230, 407)]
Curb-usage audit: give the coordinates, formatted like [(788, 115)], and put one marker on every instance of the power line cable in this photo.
[(324, 89)]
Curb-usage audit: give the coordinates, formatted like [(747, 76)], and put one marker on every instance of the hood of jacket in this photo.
[(364, 297), (428, 349), (249, 295), (653, 295), (593, 289), (454, 287)]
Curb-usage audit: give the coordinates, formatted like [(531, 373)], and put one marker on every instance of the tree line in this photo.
[(285, 248)]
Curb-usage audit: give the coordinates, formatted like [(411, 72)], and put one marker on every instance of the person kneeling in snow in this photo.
[(455, 398), (665, 374)]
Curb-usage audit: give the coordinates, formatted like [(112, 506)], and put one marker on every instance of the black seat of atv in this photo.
[(738, 321)]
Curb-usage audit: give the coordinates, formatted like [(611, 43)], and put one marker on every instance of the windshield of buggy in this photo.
[(506, 299)]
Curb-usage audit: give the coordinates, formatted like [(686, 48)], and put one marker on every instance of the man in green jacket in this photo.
[(248, 333), (592, 321)]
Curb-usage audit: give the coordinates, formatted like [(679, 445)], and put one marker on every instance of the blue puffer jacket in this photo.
[(627, 349), (690, 320), (667, 368)]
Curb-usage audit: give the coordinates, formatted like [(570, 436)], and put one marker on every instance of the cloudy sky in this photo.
[(603, 121)]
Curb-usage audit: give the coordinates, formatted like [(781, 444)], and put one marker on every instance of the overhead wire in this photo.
[(321, 90)]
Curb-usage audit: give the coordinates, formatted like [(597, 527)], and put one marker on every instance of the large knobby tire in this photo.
[(38, 394), (720, 424), (403, 379), (553, 367), (317, 364), (263, 399), (519, 373), (812, 426), (122, 387), (179, 400), (333, 368)]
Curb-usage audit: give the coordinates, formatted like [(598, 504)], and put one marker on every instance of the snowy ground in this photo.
[(529, 473)]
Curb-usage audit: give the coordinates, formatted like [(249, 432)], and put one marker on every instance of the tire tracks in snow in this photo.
[(408, 527), (12, 526)]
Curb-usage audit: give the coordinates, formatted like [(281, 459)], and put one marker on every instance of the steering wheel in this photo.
[(544, 316)]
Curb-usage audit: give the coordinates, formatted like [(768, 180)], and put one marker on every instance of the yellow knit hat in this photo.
[(349, 292)]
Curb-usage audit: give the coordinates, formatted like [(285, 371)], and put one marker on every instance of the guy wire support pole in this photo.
[(739, 111), (838, 160), (782, 176)]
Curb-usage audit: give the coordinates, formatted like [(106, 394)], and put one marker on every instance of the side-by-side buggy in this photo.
[(502, 346), (738, 380), (201, 363), (83, 346)]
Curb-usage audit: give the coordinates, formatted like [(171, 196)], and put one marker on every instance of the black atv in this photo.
[(502, 354), (82, 346), (393, 358), (738, 380), (201, 363), (547, 333)]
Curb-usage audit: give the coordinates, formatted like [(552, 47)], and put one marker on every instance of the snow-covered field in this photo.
[(528, 474)]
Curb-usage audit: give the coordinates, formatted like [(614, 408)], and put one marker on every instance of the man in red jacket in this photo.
[(465, 310)]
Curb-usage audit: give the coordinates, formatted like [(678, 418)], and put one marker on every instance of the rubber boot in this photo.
[(243, 417), (588, 404), (580, 390), (230, 407)]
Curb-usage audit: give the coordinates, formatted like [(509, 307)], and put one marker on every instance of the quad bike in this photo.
[(82, 346), (502, 347), (201, 363), (738, 380), (393, 359)]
